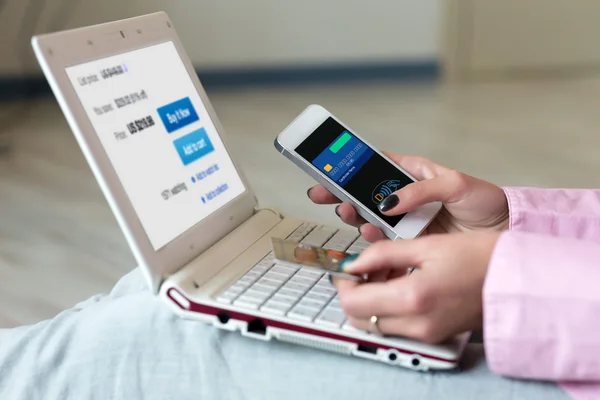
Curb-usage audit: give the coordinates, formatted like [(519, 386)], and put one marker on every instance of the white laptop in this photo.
[(155, 145)]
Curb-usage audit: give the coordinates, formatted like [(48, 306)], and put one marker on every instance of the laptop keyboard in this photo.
[(299, 293)]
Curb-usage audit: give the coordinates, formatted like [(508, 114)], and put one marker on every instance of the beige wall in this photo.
[(490, 37), (238, 33)]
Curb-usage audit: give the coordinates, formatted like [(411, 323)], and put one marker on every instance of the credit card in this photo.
[(312, 257)]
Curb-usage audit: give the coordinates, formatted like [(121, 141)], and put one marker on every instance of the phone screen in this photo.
[(350, 163)]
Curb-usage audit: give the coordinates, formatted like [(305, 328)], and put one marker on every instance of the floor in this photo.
[(59, 242)]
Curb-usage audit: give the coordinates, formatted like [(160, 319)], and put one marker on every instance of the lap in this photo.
[(128, 345)]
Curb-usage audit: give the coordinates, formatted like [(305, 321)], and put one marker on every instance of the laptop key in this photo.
[(226, 297), (350, 328), (294, 294), (246, 280), (276, 276), (309, 273), (268, 282), (296, 286), (268, 290), (312, 295), (335, 304), (331, 318), (284, 269), (275, 308), (303, 281), (254, 275), (259, 269), (262, 296), (325, 283), (335, 246), (323, 290), (303, 314), (284, 299), (308, 303), (248, 302)]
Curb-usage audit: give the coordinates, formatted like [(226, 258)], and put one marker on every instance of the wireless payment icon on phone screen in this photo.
[(351, 164)]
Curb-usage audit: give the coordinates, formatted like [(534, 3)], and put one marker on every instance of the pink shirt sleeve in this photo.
[(542, 292), (557, 212)]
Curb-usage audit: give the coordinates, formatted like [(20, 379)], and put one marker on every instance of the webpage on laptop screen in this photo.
[(159, 138)]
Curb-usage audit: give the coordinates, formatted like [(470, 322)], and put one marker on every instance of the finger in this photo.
[(390, 298), (319, 195), (348, 214), (343, 284), (379, 276), (388, 254), (420, 168), (371, 233), (415, 327), (447, 188), (397, 273)]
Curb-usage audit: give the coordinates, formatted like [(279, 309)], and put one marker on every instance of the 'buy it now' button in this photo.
[(178, 114)]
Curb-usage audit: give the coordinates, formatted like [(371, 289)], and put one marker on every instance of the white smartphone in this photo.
[(353, 170)]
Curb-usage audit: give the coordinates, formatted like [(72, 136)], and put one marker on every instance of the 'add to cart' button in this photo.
[(193, 146)]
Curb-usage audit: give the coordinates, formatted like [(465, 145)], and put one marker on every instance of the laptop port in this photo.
[(257, 327), (367, 349), (223, 317)]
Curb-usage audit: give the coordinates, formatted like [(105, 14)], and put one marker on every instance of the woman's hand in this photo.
[(470, 204), (442, 297)]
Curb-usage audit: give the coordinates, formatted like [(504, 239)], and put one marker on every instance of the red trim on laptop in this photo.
[(210, 310)]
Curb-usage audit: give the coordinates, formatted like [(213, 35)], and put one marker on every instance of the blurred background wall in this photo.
[(236, 34), (377, 38), (504, 38)]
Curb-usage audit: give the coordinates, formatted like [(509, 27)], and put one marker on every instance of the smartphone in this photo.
[(353, 170)]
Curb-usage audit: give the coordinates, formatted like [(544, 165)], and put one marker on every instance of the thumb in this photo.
[(385, 255), (446, 188)]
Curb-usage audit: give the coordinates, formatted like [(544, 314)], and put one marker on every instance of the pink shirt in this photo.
[(542, 292)]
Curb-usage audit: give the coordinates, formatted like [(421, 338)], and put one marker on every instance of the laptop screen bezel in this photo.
[(58, 51)]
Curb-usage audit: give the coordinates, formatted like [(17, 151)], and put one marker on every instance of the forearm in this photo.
[(542, 308)]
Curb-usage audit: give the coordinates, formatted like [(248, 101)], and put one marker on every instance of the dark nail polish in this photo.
[(330, 278), (348, 260), (389, 202), (337, 211)]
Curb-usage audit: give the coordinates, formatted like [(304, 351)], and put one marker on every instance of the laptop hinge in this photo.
[(244, 236)]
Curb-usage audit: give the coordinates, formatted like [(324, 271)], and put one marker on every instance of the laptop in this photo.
[(156, 147)]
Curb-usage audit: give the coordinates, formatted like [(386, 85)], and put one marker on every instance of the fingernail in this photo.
[(389, 202), (330, 278), (337, 211), (347, 261), (308, 192), (358, 227)]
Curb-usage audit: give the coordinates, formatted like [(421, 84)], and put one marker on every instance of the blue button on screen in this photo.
[(193, 146), (178, 114)]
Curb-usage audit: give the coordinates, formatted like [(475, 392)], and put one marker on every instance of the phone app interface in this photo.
[(159, 137), (354, 166)]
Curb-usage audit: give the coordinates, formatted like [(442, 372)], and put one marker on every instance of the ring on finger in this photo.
[(375, 326)]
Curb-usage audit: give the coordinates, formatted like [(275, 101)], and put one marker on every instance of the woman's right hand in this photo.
[(470, 204)]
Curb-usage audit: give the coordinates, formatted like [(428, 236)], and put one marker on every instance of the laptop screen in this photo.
[(159, 138)]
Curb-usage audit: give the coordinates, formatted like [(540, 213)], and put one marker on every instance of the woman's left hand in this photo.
[(442, 297)]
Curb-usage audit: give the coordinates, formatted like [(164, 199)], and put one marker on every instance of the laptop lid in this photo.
[(149, 133)]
